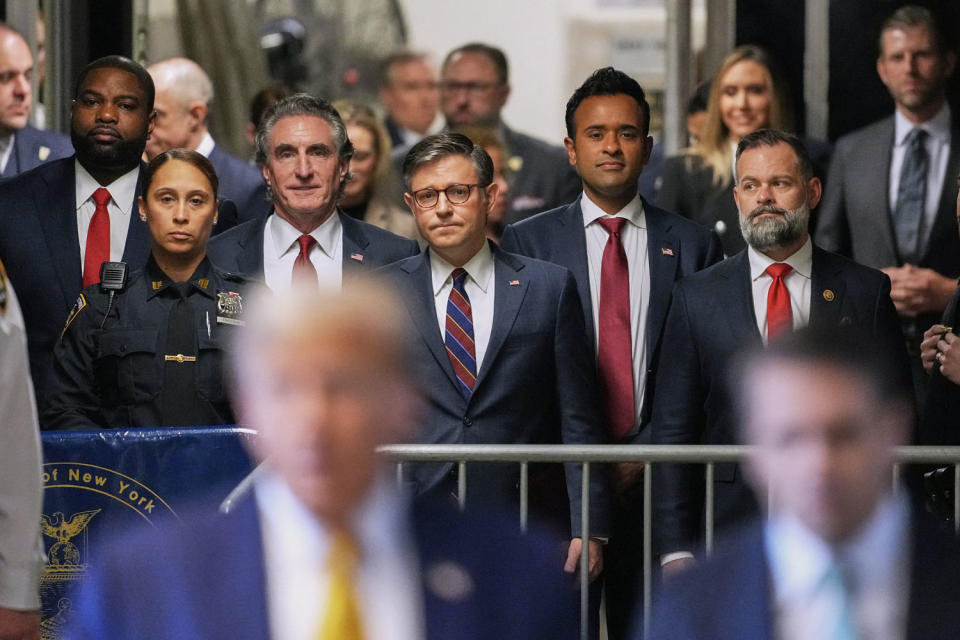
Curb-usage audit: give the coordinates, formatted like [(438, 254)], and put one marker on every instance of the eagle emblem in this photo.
[(64, 553)]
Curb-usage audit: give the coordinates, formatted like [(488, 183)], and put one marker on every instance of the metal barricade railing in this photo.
[(588, 455)]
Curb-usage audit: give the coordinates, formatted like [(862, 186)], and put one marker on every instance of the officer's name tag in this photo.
[(233, 321)]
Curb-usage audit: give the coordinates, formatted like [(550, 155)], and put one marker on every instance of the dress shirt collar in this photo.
[(937, 127), (122, 190), (632, 212), (205, 148), (6, 142), (877, 554), (479, 268), (801, 261), (285, 235)]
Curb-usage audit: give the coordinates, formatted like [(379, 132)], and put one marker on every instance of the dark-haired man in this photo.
[(501, 348), (408, 92), (889, 202), (625, 255), (474, 87), (780, 282), (304, 154), (60, 221)]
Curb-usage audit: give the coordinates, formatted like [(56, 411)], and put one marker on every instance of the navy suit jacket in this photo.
[(241, 183), (365, 247), (537, 383), (206, 579), (729, 596), (41, 250), (542, 176), (676, 246), (710, 320), (32, 147)]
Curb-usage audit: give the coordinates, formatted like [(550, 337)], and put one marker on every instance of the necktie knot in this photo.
[(778, 270), (306, 243), (916, 137), (182, 289), (344, 554), (459, 276), (613, 225), (101, 197)]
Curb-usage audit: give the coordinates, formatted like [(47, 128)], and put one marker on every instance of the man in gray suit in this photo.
[(21, 494), (474, 86), (890, 195)]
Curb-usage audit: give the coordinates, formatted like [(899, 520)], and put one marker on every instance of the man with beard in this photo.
[(889, 202), (62, 220), (779, 283)]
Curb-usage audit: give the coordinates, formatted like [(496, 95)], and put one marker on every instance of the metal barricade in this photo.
[(588, 455)]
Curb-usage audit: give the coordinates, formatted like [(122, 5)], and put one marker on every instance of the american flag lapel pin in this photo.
[(514, 283), (356, 256), (667, 251)]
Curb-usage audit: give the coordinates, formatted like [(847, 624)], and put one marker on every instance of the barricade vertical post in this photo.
[(647, 544), (956, 498), (462, 484), (524, 495), (399, 474), (585, 553), (708, 537), (896, 479)]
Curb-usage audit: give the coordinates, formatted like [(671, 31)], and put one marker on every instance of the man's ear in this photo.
[(571, 150)]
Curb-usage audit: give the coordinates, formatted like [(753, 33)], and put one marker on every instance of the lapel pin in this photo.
[(43, 153), (356, 256), (667, 251), (828, 295), (514, 283), (449, 581)]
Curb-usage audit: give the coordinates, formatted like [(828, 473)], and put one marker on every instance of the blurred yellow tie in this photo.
[(342, 621)]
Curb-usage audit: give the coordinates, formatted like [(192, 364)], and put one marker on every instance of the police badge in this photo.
[(229, 308)]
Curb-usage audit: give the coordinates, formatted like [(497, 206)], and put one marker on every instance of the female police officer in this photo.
[(149, 353)]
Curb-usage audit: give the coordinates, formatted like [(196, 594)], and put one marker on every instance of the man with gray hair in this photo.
[(779, 283), (184, 96), (502, 348), (304, 154)]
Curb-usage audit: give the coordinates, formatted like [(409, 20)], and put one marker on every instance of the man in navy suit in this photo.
[(502, 351), (607, 126), (839, 556), (326, 547), (48, 213), (22, 147), (184, 96), (781, 281), (304, 154)]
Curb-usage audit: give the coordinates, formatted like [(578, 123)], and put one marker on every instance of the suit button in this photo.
[(467, 421)]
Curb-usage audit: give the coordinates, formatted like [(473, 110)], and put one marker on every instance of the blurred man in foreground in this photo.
[(840, 555), (326, 548)]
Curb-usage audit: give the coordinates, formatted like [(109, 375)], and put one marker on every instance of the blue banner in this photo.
[(97, 483)]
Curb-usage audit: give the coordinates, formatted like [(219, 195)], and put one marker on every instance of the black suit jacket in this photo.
[(41, 250), (537, 383), (730, 596), (365, 247), (241, 183), (710, 320), (676, 248), (32, 147)]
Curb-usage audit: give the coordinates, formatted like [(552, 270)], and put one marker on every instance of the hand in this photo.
[(627, 475), (19, 625), (677, 566), (949, 357), (928, 348), (916, 290), (595, 565)]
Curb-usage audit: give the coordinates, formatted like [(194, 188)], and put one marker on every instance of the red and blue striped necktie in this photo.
[(459, 336)]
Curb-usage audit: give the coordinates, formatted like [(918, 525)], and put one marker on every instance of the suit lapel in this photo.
[(742, 317), (20, 156), (826, 292), (250, 256), (507, 299), (420, 304), (54, 201), (355, 243), (876, 159), (663, 255), (572, 251)]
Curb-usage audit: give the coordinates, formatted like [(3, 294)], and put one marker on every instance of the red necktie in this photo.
[(614, 353), (779, 312), (98, 239), (303, 270)]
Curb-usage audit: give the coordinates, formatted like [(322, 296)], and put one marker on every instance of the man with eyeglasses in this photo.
[(501, 346), (474, 86)]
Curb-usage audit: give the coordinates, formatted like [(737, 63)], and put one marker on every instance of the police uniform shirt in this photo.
[(109, 372)]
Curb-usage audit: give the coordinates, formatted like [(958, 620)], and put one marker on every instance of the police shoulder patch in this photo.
[(78, 306)]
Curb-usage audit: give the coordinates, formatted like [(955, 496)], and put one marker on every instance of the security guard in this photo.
[(149, 352)]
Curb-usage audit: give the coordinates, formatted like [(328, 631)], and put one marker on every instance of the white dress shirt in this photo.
[(123, 191), (205, 148), (6, 150), (877, 560), (281, 248), (480, 289), (797, 281), (296, 543), (634, 240), (938, 153)]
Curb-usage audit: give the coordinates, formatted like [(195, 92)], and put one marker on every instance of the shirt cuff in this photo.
[(676, 555)]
